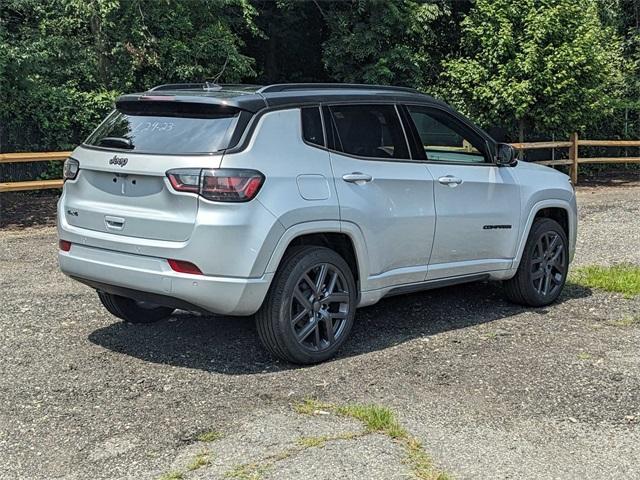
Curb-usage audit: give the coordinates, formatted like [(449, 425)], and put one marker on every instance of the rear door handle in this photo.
[(357, 177), (114, 223), (450, 180)]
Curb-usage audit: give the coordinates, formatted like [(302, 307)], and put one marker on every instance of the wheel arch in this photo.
[(561, 211), (346, 241)]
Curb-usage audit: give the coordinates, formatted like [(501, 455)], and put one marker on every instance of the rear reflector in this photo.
[(64, 245), (181, 266)]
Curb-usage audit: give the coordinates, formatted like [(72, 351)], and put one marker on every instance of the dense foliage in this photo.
[(533, 67), (548, 65)]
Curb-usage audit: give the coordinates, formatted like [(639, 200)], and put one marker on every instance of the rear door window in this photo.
[(165, 132), (371, 131)]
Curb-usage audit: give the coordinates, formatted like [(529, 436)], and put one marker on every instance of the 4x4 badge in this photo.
[(116, 160)]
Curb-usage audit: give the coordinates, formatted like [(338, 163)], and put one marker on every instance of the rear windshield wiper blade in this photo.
[(116, 142)]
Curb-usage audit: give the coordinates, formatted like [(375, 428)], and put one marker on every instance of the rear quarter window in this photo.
[(312, 126), (165, 133)]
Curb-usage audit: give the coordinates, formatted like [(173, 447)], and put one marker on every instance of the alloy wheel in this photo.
[(548, 266), (319, 307)]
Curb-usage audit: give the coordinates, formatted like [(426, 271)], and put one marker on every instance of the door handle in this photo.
[(357, 177), (450, 180), (114, 223)]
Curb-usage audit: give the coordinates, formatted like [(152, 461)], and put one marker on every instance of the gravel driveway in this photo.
[(490, 389)]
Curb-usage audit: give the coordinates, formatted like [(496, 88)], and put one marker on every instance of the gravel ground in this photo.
[(491, 390)]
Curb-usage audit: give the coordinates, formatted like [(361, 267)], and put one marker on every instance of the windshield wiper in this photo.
[(116, 142)]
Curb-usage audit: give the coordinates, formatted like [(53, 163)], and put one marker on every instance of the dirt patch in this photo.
[(28, 209)]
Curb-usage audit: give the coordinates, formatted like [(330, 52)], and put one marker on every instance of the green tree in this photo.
[(535, 65), (385, 42), (62, 62)]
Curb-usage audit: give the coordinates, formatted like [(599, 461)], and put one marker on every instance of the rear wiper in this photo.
[(116, 142)]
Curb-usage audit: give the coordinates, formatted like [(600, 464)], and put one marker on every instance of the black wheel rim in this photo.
[(548, 267), (319, 307)]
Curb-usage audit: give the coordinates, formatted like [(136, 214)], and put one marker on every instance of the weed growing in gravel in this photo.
[(319, 442), (199, 461), (247, 471), (584, 356), (375, 418), (381, 420), (622, 278), (628, 321), (310, 406), (421, 462), (172, 476), (211, 436)]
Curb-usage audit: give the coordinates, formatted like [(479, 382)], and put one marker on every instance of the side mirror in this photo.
[(506, 155)]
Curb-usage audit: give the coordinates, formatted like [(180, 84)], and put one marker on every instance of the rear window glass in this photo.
[(170, 134)]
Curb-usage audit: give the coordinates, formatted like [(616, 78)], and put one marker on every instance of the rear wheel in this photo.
[(310, 308), (543, 268), (133, 311)]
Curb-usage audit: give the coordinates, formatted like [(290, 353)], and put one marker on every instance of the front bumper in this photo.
[(152, 275)]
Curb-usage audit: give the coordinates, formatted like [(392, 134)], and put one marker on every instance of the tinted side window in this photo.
[(369, 131), (312, 126), (445, 138)]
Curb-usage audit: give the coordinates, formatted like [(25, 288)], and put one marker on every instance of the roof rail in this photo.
[(285, 87), (186, 86)]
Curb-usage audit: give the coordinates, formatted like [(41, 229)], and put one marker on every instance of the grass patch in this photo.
[(375, 418), (622, 278), (199, 461), (210, 436), (379, 420), (421, 463), (310, 406), (628, 321), (312, 442), (172, 476), (248, 471), (584, 356)]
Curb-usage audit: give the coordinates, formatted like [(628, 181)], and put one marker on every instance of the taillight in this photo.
[(184, 180), (184, 267), (70, 169), (230, 185), (64, 245), (220, 185)]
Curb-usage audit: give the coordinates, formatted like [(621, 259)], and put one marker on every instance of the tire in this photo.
[(300, 291), (545, 259), (132, 311)]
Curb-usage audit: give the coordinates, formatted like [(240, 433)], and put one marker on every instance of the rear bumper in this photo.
[(119, 272)]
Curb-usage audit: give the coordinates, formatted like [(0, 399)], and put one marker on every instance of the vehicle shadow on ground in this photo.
[(230, 345)]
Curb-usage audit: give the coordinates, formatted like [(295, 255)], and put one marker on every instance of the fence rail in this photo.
[(31, 157), (574, 160)]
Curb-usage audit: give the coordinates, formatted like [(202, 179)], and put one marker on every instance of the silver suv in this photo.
[(300, 203)]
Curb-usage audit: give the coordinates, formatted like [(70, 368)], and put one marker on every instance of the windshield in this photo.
[(170, 134)]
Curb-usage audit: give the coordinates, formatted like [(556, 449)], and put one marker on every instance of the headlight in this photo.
[(70, 169)]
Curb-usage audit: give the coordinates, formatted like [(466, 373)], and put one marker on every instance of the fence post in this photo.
[(573, 156)]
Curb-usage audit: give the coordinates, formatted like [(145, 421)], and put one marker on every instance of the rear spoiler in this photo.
[(157, 103)]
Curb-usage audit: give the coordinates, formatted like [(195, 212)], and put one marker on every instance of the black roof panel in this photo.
[(253, 98)]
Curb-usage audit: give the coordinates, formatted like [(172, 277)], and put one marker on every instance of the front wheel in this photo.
[(310, 307), (543, 267), (133, 311)]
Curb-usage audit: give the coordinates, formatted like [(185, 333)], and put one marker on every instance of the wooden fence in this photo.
[(574, 160), (31, 157)]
